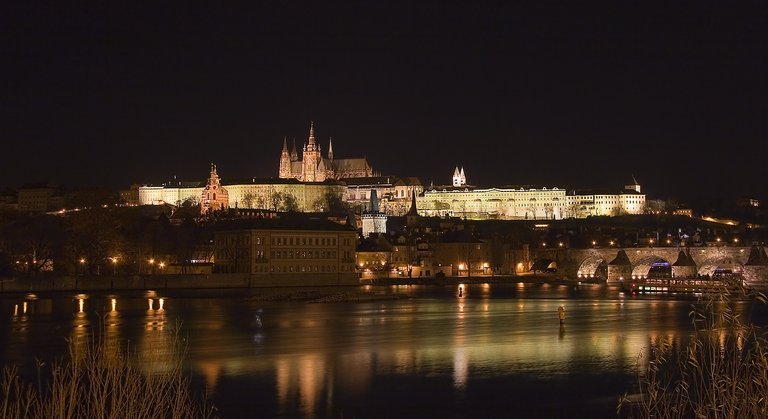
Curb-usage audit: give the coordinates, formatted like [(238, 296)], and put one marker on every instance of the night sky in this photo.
[(567, 94)]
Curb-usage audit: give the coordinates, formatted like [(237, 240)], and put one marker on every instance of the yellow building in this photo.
[(317, 250), (525, 203), (270, 193)]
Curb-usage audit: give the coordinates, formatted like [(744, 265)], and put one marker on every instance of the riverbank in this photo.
[(292, 287), (45, 283)]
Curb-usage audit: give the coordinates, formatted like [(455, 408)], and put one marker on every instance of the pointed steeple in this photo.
[(330, 148), (413, 211), (285, 145), (311, 133), (374, 201), (456, 177)]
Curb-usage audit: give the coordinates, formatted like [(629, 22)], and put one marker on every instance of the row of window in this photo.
[(304, 254), (309, 268), (304, 241)]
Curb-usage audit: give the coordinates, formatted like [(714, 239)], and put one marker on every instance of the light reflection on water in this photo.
[(493, 350)]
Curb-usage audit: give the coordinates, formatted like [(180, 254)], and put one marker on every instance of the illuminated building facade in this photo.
[(394, 193), (279, 249), (250, 193), (213, 197), (525, 203), (313, 167)]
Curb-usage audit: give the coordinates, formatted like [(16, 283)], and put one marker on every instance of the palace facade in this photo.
[(271, 193), (526, 203)]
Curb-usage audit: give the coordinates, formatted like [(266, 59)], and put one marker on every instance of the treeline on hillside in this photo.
[(112, 240)]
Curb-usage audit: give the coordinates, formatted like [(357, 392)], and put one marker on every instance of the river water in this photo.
[(496, 351)]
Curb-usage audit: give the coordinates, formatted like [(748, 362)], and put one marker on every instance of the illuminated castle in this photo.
[(313, 167)]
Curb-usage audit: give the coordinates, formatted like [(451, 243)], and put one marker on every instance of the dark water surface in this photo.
[(498, 351)]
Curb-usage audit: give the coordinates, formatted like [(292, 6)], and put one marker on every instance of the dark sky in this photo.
[(569, 94)]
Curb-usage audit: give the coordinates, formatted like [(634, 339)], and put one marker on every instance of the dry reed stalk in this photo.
[(106, 383), (721, 373)]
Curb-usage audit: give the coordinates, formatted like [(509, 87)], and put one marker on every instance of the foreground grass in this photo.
[(104, 381), (721, 373)]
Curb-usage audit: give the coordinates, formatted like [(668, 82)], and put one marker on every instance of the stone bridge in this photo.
[(618, 264)]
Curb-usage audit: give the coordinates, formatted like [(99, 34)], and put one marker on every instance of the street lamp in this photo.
[(152, 264), (114, 265)]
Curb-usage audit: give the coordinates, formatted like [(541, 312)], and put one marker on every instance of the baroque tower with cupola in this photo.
[(214, 197), (313, 167)]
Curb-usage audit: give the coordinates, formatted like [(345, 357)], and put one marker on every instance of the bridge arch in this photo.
[(544, 265), (652, 267), (718, 265), (593, 267)]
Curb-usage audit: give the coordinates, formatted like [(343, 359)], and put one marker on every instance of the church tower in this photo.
[(294, 154), (214, 197), (458, 177), (374, 221), (285, 161), (311, 168)]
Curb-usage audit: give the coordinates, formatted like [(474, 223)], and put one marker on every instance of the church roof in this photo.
[(409, 181), (349, 164)]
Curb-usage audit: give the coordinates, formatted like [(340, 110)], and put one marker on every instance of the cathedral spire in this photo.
[(312, 132), (285, 145), (330, 148)]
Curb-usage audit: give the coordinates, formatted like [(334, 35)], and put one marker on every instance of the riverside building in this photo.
[(280, 250)]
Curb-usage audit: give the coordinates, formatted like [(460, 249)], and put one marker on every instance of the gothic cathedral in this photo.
[(313, 167)]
